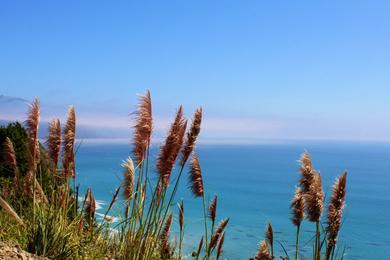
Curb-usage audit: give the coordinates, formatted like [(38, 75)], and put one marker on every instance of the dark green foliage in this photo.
[(18, 136), (44, 175)]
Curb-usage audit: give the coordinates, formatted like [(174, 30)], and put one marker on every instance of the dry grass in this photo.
[(308, 201), (54, 141), (143, 128), (68, 163), (55, 225)]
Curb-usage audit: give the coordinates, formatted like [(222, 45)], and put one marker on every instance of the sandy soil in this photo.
[(9, 251)]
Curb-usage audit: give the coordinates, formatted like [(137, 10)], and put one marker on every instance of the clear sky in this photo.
[(260, 69)]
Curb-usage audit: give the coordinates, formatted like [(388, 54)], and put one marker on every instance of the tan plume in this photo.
[(10, 158), (307, 172), (263, 252), (170, 150), (220, 245), (335, 211), (32, 125), (269, 236), (213, 209), (297, 207), (218, 233), (54, 141), (191, 136), (166, 251), (314, 200), (195, 177), (143, 127), (128, 180), (68, 163)]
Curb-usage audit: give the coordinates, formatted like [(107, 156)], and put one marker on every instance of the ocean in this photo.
[(255, 184)]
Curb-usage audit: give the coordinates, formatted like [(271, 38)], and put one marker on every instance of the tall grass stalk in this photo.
[(297, 242), (53, 223)]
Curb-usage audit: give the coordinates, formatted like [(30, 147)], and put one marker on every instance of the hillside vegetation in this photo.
[(41, 211)]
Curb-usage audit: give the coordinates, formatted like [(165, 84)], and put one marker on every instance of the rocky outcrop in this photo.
[(9, 252)]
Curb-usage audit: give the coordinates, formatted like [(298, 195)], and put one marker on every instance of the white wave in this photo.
[(99, 203)]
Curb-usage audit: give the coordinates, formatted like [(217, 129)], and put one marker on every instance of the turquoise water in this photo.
[(255, 184)]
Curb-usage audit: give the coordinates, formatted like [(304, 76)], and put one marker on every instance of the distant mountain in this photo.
[(8, 99), (14, 109)]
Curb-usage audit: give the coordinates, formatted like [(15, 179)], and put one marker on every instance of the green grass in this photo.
[(58, 226)]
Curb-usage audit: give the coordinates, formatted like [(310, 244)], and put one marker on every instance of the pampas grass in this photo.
[(195, 177), (170, 150), (54, 141), (213, 212), (10, 158), (220, 246), (55, 226), (311, 186), (166, 251), (32, 124), (191, 136), (335, 212), (143, 127), (213, 209), (68, 163), (128, 180), (9, 152), (314, 200), (298, 208), (90, 207), (263, 252), (307, 172), (308, 201), (200, 246), (269, 237), (33, 187), (216, 236), (314, 204)]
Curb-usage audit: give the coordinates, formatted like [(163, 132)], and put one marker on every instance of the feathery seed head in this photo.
[(269, 235), (297, 207), (314, 200), (218, 233), (307, 172), (220, 245), (10, 153), (263, 252), (213, 209), (68, 163), (191, 136), (167, 227), (335, 210), (166, 251), (128, 180), (143, 127), (54, 141), (170, 150), (32, 124), (195, 177), (199, 247)]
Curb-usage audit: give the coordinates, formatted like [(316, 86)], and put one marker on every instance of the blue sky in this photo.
[(260, 69)]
